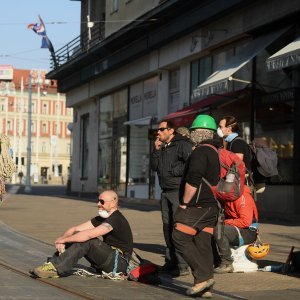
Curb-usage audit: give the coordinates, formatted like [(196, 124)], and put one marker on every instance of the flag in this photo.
[(40, 29)]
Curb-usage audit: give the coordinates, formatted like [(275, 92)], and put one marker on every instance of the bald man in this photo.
[(105, 241)]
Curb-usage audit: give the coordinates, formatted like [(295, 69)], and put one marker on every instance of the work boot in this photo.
[(167, 268), (201, 288), (224, 268), (180, 272), (47, 270)]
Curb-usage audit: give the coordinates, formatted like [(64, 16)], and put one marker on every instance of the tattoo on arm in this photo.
[(108, 226)]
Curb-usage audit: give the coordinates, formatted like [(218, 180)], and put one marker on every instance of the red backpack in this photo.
[(232, 176)]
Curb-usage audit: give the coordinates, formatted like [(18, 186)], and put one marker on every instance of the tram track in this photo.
[(48, 282)]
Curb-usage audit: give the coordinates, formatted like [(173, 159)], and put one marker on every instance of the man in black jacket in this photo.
[(170, 153)]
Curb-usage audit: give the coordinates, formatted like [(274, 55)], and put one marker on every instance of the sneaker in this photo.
[(47, 270), (180, 272), (224, 268), (201, 288)]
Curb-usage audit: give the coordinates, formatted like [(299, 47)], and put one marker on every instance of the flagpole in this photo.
[(28, 179)]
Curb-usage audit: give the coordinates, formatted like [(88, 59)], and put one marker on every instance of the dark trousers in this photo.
[(99, 254), (229, 238), (197, 249), (169, 205)]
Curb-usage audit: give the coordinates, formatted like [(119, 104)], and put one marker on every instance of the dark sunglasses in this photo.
[(162, 128), (103, 201)]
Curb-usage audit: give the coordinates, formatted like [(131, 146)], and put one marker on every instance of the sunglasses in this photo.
[(102, 202), (162, 128)]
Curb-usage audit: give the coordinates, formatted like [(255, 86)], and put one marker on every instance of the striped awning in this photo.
[(286, 57)]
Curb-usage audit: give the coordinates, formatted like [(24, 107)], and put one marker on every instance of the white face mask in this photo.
[(103, 213), (220, 132)]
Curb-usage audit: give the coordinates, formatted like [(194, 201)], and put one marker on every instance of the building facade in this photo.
[(172, 60), (50, 134)]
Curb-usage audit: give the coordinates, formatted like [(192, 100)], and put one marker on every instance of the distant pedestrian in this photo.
[(105, 241), (171, 151)]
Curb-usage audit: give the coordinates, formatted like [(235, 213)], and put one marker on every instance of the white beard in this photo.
[(103, 213)]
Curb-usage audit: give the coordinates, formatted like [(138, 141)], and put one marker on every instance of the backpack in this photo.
[(232, 176), (141, 270), (263, 159)]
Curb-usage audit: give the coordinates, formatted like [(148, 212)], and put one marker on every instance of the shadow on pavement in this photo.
[(153, 248)]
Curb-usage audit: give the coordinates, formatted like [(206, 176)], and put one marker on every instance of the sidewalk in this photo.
[(44, 217)]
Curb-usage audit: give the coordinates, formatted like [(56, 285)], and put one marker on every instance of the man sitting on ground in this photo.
[(84, 241)]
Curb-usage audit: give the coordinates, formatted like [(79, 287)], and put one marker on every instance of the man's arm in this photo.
[(85, 235), (155, 155), (189, 192)]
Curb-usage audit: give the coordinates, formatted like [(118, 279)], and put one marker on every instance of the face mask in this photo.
[(103, 213), (220, 132), (230, 137)]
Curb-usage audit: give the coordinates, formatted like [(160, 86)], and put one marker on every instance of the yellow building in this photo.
[(50, 124)]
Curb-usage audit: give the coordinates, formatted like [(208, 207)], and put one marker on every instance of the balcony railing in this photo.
[(77, 46)]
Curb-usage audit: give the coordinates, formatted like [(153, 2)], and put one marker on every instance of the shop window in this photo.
[(275, 125), (138, 155), (84, 126)]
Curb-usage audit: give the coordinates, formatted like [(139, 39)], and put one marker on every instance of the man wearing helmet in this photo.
[(199, 209)]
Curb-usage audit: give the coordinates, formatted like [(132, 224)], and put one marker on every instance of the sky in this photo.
[(21, 47)]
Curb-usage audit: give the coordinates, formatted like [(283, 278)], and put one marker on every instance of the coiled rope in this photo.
[(7, 165)]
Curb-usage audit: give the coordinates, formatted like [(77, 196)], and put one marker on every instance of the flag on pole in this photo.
[(40, 29)]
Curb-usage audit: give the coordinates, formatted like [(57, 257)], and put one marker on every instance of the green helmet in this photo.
[(204, 122)]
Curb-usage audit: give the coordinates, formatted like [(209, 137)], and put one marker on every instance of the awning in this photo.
[(186, 115), (218, 81), (145, 121), (286, 57)]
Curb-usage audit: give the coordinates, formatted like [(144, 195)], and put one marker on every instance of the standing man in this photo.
[(84, 240), (169, 156), (198, 210), (229, 131)]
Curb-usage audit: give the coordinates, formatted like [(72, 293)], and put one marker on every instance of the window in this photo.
[(32, 127), (45, 108), (56, 129), (174, 90), (33, 107), (84, 126), (114, 6), (200, 70), (2, 107), (9, 127), (44, 128), (44, 147), (69, 148)]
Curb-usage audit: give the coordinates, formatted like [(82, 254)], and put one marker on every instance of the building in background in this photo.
[(173, 59), (50, 135)]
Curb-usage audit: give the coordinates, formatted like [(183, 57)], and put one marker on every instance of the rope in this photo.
[(7, 165), (104, 275)]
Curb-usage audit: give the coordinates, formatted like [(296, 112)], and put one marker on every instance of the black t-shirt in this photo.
[(203, 162), (238, 145), (121, 235)]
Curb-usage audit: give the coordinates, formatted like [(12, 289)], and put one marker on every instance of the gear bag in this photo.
[(232, 176)]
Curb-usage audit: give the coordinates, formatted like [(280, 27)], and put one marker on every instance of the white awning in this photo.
[(218, 81), (286, 57), (145, 121)]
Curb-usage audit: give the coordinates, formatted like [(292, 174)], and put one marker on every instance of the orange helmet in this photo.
[(257, 251)]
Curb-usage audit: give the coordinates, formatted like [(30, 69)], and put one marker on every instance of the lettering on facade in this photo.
[(136, 99)]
